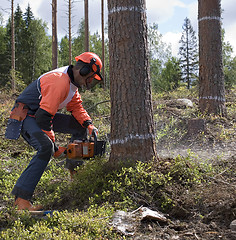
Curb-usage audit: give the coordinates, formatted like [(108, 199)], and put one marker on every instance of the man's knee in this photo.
[(45, 146)]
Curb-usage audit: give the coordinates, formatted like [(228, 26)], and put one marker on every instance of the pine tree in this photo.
[(4, 57), (63, 52), (78, 42), (33, 46), (18, 35), (37, 47), (132, 127), (211, 75), (171, 74), (29, 47), (188, 53)]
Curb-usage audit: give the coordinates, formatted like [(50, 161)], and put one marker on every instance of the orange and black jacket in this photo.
[(51, 92)]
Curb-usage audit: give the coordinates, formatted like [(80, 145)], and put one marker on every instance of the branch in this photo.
[(98, 104)]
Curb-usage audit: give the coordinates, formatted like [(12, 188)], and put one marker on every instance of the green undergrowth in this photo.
[(86, 204), (141, 184), (89, 224)]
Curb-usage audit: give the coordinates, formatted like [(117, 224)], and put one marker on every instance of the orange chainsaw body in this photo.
[(79, 149)]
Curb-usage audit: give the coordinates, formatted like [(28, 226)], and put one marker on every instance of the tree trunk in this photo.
[(70, 38), (211, 77), (13, 58), (132, 126), (103, 45), (54, 35), (86, 25)]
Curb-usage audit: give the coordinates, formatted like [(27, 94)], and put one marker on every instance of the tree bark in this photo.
[(70, 38), (103, 44), (132, 126), (86, 25), (211, 77), (54, 35), (13, 53)]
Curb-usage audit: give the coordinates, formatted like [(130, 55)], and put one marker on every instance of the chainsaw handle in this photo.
[(94, 135)]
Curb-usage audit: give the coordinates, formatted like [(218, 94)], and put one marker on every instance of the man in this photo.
[(35, 117)]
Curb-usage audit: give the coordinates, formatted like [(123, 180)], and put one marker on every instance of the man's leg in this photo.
[(63, 123), (28, 180)]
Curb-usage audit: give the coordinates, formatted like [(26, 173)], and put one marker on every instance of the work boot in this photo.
[(23, 204)]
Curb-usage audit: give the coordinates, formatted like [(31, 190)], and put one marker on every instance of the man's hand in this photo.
[(92, 129)]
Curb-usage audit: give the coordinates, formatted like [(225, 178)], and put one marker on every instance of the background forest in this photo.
[(34, 54)]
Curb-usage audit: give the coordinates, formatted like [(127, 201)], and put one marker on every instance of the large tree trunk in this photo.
[(54, 35), (132, 127), (211, 78)]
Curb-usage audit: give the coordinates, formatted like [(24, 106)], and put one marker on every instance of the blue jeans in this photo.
[(44, 146)]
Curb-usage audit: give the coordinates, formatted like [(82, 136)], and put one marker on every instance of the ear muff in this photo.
[(86, 69)]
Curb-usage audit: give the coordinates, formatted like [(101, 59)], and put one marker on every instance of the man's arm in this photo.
[(54, 89), (76, 108)]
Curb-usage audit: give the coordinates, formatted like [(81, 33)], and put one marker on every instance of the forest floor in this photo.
[(216, 146), (199, 171)]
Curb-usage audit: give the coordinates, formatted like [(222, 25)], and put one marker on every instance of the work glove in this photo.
[(92, 129), (50, 134), (59, 152)]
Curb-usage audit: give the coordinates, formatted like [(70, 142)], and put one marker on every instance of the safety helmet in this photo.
[(95, 64)]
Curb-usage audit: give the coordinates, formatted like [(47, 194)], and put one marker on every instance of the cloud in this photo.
[(173, 39), (193, 14), (229, 9), (230, 36), (161, 11), (229, 22)]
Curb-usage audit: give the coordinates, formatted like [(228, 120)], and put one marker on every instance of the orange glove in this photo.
[(60, 152), (50, 134), (92, 129)]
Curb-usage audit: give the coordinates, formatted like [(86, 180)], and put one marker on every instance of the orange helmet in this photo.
[(94, 61)]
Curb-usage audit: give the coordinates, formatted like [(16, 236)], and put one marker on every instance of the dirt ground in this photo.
[(209, 217)]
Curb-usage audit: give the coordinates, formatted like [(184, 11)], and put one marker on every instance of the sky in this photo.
[(168, 14)]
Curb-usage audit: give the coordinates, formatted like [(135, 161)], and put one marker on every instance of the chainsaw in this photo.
[(80, 150), (85, 148)]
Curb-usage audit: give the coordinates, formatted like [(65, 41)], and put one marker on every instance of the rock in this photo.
[(180, 103), (186, 102), (233, 226)]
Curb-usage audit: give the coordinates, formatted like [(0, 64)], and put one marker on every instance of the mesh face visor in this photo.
[(95, 82), (92, 81)]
